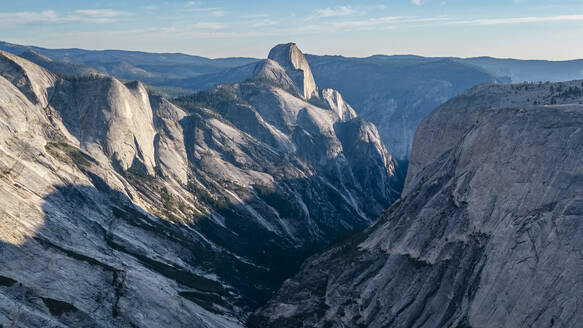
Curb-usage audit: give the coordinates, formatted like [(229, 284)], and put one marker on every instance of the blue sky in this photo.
[(538, 29)]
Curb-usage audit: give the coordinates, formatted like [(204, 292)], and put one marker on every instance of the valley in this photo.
[(158, 190)]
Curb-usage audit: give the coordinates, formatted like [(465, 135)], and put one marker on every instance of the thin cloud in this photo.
[(208, 26), (366, 22), (99, 12), (519, 20), (255, 16), (426, 19), (51, 16), (190, 4), (28, 17), (416, 2), (263, 23), (384, 22), (215, 11), (387, 20), (333, 12)]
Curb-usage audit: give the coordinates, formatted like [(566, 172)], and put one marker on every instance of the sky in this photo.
[(524, 29)]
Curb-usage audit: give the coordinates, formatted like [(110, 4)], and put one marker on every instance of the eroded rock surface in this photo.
[(122, 209), (487, 233), (290, 57)]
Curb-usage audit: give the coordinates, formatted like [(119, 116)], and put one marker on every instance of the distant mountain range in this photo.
[(152, 68), (394, 92), (163, 68), (251, 197)]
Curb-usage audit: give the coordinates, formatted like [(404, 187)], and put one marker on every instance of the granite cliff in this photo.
[(486, 234), (122, 209)]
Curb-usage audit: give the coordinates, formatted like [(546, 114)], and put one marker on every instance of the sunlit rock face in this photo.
[(335, 101), (297, 68), (488, 231), (121, 209), (24, 75), (109, 118), (271, 71)]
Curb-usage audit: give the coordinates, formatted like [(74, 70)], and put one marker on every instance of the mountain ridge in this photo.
[(190, 212), (485, 233), (394, 92)]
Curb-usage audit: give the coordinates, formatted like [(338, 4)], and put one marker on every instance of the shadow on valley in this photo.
[(213, 216), (98, 257)]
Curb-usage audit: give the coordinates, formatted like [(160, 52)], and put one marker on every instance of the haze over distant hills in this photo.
[(394, 92), (131, 65), (149, 67), (123, 208)]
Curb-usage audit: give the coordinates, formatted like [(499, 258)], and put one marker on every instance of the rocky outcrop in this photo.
[(297, 68), (77, 248), (486, 234), (111, 120), (335, 101), (122, 209), (33, 82), (396, 92), (271, 72), (363, 148)]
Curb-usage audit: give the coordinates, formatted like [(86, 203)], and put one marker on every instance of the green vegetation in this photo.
[(571, 92), (168, 92), (68, 154), (172, 207), (139, 174), (205, 197), (218, 99), (81, 78), (284, 205), (168, 203), (564, 94)]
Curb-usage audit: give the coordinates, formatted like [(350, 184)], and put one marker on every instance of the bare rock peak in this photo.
[(271, 71), (112, 181), (291, 58), (334, 100), (31, 79)]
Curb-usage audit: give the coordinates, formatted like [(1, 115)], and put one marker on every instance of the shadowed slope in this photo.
[(487, 232)]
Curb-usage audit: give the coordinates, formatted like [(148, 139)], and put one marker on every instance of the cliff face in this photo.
[(109, 119), (121, 209), (397, 92), (487, 232), (335, 101), (78, 247), (24, 75), (271, 71), (292, 59)]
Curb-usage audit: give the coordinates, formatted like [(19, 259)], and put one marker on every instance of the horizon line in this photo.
[(306, 53)]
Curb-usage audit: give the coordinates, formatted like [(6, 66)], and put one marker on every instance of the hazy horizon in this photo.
[(291, 41), (431, 28)]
